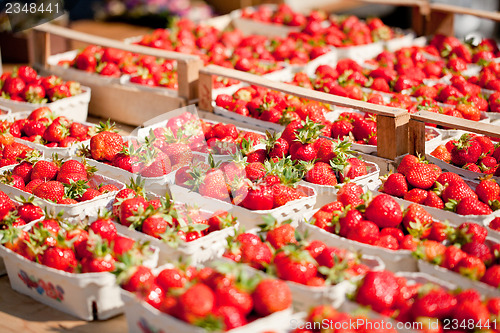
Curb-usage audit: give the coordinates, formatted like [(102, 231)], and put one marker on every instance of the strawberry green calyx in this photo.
[(106, 126), (76, 189)]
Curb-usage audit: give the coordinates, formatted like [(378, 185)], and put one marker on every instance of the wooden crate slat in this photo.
[(452, 9), (458, 123), (107, 42), (300, 92)]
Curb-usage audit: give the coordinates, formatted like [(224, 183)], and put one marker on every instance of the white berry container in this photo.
[(80, 209), (161, 122), (142, 317), (74, 74), (158, 185), (3, 269), (198, 251), (460, 280), (327, 193), (87, 296), (48, 151), (264, 125), (399, 260), (306, 297), (249, 219), (74, 107)]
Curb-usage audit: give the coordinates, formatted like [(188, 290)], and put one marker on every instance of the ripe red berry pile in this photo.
[(24, 85), (45, 127), (12, 215), (469, 254), (146, 159), (228, 48), (307, 262), (11, 152), (272, 106), (187, 131), (426, 184), (161, 218), (471, 152), (326, 317), (73, 248), (145, 70), (338, 31), (66, 183), (209, 296), (407, 301)]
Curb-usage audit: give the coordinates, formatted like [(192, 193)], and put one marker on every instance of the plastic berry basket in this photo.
[(249, 219), (81, 209), (399, 260), (75, 107), (88, 296)]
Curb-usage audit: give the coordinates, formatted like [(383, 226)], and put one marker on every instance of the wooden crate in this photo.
[(417, 128), (392, 123), (126, 104)]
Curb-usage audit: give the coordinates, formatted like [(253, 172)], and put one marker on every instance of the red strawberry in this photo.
[(395, 185), (51, 190), (365, 232), (271, 296), (378, 290), (384, 211)]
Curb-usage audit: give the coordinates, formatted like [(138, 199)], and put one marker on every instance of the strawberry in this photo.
[(457, 191), (350, 194), (44, 170), (56, 132), (51, 190), (231, 317), (130, 207), (466, 150), (384, 211), (256, 254), (433, 200), (471, 267), (255, 171), (214, 185), (259, 198), (29, 211), (472, 206), (364, 232), (271, 296), (395, 185), (416, 218), (282, 194), (442, 153), (232, 296), (281, 236), (139, 278), (60, 258), (171, 278), (488, 190), (416, 195), (106, 144), (407, 163), (196, 302), (294, 264), (471, 312), (471, 232), (452, 257), (320, 173), (425, 306), (422, 175), (105, 228), (479, 250), (492, 276), (378, 290)]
